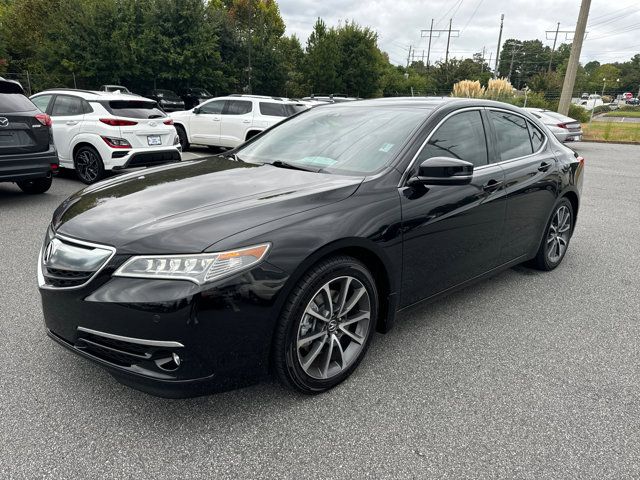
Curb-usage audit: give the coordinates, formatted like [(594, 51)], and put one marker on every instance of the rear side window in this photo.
[(460, 136), (273, 109), (512, 135), (15, 102), (65, 105), (42, 102), (537, 138), (134, 109), (238, 107)]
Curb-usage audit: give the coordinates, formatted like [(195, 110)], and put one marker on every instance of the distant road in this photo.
[(602, 118)]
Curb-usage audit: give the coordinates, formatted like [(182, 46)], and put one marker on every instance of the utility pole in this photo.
[(553, 49), (431, 33), (409, 56), (514, 50), (446, 55), (495, 71), (574, 58), (482, 65)]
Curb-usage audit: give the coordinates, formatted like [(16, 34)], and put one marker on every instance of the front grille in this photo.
[(67, 263), (153, 158)]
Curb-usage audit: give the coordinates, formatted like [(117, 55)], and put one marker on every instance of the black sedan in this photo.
[(286, 254), (168, 100)]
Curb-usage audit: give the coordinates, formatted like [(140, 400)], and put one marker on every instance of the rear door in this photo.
[(237, 118), (204, 126), (67, 114), (20, 130), (531, 180)]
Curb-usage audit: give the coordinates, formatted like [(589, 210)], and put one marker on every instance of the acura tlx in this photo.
[(286, 254)]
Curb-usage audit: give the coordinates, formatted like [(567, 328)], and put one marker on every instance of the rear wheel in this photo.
[(182, 135), (88, 164), (38, 185), (556, 237), (326, 325)]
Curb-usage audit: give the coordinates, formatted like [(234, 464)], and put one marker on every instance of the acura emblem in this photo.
[(4, 121)]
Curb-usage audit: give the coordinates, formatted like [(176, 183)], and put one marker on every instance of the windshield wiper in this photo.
[(233, 156), (281, 164)]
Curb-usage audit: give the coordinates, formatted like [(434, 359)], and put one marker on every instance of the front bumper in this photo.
[(27, 166), (220, 333)]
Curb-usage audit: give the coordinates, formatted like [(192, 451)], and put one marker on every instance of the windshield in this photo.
[(200, 91), (166, 94), (347, 140)]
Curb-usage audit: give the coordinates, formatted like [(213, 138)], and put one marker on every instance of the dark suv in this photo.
[(168, 100), (194, 96), (27, 154)]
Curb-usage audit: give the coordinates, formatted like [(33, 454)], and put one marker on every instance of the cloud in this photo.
[(612, 32)]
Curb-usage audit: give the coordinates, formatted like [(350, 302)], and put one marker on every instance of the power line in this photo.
[(472, 15)]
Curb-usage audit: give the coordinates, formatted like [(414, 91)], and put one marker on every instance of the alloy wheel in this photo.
[(334, 328), (559, 233), (88, 165)]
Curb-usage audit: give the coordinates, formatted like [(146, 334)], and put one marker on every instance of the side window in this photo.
[(42, 102), (273, 109), (460, 136), (537, 138), (214, 107), (238, 107), (66, 106), (512, 135)]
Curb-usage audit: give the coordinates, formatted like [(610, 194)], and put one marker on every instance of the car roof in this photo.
[(426, 103), (93, 95)]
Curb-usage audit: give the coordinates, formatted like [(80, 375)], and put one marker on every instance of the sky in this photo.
[(613, 30)]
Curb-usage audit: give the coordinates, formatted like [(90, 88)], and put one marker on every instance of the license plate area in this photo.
[(153, 140)]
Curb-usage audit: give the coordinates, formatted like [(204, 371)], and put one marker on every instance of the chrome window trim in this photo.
[(137, 341), (41, 280), (404, 177)]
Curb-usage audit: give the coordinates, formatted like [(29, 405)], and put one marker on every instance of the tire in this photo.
[(182, 135), (311, 367), (88, 164), (557, 235), (38, 185)]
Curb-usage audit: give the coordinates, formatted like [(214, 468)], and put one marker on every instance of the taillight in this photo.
[(118, 122), (44, 119), (115, 142), (562, 125), (168, 122), (54, 167)]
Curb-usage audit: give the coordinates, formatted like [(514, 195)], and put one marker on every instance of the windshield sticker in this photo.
[(386, 147), (322, 161)]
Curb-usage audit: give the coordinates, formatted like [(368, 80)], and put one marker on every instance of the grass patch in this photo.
[(628, 114), (611, 131)]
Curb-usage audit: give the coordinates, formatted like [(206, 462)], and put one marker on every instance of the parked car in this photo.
[(193, 97), (627, 96), (286, 254), (585, 96), (114, 89), (96, 132), (330, 98), (564, 128), (633, 101), (169, 101), (27, 154), (229, 121)]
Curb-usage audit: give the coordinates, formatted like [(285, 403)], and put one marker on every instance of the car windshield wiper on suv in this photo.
[(281, 164)]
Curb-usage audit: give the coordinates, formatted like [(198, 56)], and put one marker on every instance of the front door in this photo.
[(204, 126), (452, 233)]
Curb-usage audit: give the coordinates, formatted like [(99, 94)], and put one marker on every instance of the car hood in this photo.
[(187, 207)]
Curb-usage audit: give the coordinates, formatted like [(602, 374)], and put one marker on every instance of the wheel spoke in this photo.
[(344, 291), (329, 299), (359, 318), (357, 295), (303, 341), (354, 336), (313, 354), (315, 314), (336, 341), (327, 361)]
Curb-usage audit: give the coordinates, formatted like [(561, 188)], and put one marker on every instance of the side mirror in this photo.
[(196, 110), (443, 171)]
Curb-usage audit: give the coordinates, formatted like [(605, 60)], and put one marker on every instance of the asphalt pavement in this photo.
[(526, 375)]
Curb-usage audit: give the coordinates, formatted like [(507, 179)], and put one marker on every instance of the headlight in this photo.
[(198, 268)]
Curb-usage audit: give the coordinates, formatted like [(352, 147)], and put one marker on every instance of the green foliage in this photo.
[(601, 109), (578, 113)]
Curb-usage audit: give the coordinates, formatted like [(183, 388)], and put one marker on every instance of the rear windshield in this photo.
[(15, 102), (134, 109)]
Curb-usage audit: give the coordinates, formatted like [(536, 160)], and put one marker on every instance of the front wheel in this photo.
[(556, 237), (38, 185), (89, 166), (326, 325)]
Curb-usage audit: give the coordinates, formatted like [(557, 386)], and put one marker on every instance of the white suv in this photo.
[(98, 131), (229, 121)]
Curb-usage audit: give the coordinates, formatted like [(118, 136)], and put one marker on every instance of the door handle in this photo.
[(215, 119), (544, 166), (492, 185), (246, 121), (72, 122)]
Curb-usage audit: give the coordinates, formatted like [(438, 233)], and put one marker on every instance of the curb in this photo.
[(622, 142)]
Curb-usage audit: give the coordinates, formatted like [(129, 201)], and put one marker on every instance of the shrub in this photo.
[(601, 109), (579, 113), (499, 89), (468, 89), (630, 108)]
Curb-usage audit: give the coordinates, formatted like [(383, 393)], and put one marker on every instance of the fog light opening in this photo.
[(168, 361)]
